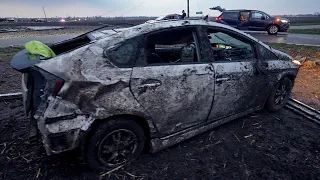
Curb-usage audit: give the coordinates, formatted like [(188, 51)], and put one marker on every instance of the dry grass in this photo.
[(297, 50), (7, 53), (310, 65)]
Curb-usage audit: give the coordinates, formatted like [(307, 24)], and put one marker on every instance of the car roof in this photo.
[(118, 35), (237, 10)]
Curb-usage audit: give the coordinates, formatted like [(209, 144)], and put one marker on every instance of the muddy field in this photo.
[(264, 145), (259, 146)]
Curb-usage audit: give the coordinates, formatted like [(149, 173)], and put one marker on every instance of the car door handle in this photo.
[(149, 85), (222, 79)]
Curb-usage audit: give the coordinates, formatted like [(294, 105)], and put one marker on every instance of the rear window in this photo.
[(231, 15)]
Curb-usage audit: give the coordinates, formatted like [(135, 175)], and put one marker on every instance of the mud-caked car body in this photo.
[(117, 92)]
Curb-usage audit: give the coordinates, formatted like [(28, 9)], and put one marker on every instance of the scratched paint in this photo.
[(170, 98)]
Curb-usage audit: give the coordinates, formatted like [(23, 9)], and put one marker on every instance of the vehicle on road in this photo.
[(115, 93), (167, 17), (253, 20)]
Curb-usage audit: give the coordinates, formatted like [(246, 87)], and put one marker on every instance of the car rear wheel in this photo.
[(273, 29), (114, 143), (279, 96)]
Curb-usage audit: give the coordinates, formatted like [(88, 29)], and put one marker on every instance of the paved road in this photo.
[(281, 38), (306, 27), (304, 39)]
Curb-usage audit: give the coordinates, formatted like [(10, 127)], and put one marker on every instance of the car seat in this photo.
[(187, 53)]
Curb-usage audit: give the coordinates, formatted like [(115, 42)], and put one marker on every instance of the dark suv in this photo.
[(253, 20)]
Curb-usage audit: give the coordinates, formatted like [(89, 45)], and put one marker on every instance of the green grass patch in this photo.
[(295, 50), (305, 24), (7, 53), (304, 31)]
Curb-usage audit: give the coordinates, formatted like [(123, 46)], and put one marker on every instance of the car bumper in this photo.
[(284, 27), (61, 125)]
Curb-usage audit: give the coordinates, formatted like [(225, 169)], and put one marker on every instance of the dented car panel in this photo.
[(237, 83), (173, 93), (177, 101)]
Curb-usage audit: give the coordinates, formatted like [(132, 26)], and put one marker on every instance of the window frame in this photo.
[(260, 55), (263, 14), (195, 33), (232, 34), (228, 15)]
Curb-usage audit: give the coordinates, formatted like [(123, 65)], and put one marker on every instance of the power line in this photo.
[(136, 7), (118, 8)]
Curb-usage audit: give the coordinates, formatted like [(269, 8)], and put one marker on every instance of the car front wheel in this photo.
[(273, 29), (279, 95), (114, 143)]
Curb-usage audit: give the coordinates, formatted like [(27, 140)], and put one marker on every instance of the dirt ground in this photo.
[(264, 145), (307, 84), (307, 87), (282, 145)]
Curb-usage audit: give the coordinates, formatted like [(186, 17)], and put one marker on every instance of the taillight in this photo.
[(53, 83), (57, 86), (219, 18)]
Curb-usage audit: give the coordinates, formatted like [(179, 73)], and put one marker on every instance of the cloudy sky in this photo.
[(62, 8)]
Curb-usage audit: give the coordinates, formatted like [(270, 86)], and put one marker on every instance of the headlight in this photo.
[(296, 62), (284, 21)]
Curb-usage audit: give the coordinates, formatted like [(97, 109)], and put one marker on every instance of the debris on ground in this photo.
[(285, 147)]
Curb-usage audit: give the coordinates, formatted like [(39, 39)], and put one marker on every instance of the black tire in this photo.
[(273, 29), (96, 150), (277, 99)]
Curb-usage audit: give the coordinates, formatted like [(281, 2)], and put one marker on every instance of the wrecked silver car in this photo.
[(117, 92)]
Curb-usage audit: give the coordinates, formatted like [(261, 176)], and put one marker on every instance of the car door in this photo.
[(239, 86), (257, 21), (176, 94)]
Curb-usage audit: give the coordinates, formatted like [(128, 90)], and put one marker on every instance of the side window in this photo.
[(171, 46), (256, 15), (244, 16), (124, 54), (266, 54), (229, 47), (230, 15)]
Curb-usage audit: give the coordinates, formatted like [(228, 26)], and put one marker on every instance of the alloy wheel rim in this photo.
[(117, 147), (273, 29), (281, 94)]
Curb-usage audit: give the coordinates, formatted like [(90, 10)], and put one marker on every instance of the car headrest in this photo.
[(187, 53)]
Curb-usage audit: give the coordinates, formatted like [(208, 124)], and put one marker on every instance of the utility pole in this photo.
[(45, 16), (188, 9)]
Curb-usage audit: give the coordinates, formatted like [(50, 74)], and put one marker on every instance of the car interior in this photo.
[(228, 48), (171, 46), (244, 16)]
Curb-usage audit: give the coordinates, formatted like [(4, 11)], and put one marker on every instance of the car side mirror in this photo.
[(263, 17)]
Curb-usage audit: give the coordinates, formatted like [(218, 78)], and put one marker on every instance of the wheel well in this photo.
[(273, 24), (291, 77), (139, 120)]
